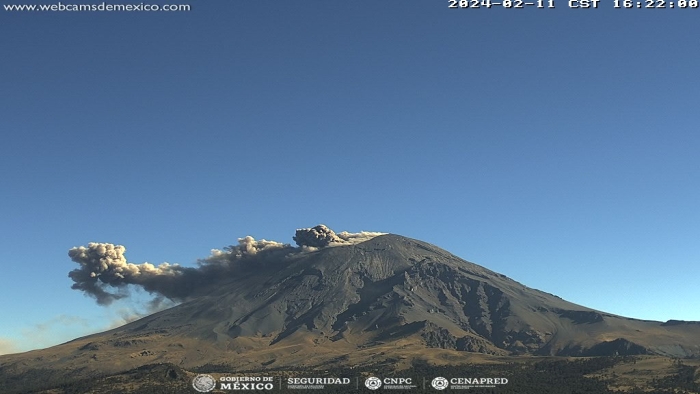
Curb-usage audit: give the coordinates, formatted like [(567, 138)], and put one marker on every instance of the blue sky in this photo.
[(558, 147)]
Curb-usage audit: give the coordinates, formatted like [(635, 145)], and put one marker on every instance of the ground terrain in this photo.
[(388, 305)]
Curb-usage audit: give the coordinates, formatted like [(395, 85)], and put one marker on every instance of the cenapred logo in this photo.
[(440, 383), (373, 383), (204, 383)]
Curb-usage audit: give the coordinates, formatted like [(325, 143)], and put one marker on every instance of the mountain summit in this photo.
[(339, 301)]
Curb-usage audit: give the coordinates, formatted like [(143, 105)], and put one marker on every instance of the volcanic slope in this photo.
[(389, 297)]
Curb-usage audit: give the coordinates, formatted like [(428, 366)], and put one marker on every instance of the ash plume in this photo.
[(316, 237), (104, 264), (105, 274)]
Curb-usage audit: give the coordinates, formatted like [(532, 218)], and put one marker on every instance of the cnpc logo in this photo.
[(374, 383)]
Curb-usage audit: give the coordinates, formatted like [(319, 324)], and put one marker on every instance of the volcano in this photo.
[(390, 297)]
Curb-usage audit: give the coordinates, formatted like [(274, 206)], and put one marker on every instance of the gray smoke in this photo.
[(104, 264), (106, 275), (317, 237)]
